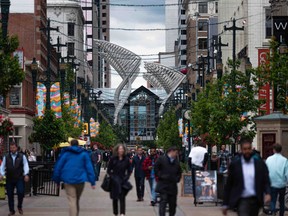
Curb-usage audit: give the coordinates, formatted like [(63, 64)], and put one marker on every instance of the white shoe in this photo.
[(122, 215)]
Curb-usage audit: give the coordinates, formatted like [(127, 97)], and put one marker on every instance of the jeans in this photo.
[(140, 186), (274, 194), (152, 183), (10, 186), (248, 207), (96, 170), (171, 199), (74, 192), (122, 205)]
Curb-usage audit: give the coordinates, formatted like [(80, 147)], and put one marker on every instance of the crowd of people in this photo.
[(251, 183)]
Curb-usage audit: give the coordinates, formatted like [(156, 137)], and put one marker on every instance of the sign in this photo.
[(206, 186), (187, 189), (20, 54), (264, 92), (280, 28)]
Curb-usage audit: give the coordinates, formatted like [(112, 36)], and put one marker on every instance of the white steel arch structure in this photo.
[(126, 63), (165, 77)]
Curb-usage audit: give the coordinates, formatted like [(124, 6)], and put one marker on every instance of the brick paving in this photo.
[(97, 202)]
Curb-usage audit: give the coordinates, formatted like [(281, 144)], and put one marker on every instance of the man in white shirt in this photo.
[(248, 184), (278, 173), (198, 159), (16, 169)]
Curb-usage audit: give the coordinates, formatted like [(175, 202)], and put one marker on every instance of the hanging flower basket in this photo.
[(6, 126)]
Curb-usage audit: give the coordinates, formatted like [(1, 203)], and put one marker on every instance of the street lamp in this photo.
[(5, 6), (62, 67)]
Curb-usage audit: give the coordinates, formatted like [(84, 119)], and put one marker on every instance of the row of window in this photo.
[(202, 44)]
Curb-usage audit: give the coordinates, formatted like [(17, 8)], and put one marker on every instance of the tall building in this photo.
[(97, 23), (202, 18), (255, 17), (181, 45), (68, 16)]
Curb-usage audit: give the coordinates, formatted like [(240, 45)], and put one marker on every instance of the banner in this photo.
[(92, 127), (40, 99), (206, 186), (66, 99), (76, 112), (55, 98), (97, 128), (264, 92), (180, 127)]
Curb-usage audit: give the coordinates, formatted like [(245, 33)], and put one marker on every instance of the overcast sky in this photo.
[(148, 42)]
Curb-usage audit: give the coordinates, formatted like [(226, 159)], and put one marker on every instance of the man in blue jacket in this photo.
[(74, 168)]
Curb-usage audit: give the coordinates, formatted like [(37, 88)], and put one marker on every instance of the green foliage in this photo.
[(70, 77), (48, 131), (106, 135), (68, 120), (148, 143), (167, 131), (221, 113), (10, 71)]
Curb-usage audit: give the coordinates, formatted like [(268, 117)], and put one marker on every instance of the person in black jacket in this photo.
[(248, 183), (168, 170), (139, 174), (119, 171)]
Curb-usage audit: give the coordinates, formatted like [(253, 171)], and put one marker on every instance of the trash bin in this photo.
[(2, 189)]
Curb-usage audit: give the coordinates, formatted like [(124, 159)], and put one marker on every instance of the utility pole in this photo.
[(48, 30), (219, 63), (59, 45), (234, 28)]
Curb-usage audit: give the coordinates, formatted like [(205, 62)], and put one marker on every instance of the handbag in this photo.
[(106, 184)]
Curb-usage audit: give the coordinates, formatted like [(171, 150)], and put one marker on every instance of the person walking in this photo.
[(139, 174), (278, 173), (198, 158), (119, 170), (148, 167), (248, 184), (106, 158), (74, 168), (96, 160), (223, 159), (168, 170), (16, 169)]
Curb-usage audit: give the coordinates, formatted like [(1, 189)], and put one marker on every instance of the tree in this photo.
[(48, 131), (221, 115), (106, 135), (167, 131), (121, 133), (10, 71), (69, 124)]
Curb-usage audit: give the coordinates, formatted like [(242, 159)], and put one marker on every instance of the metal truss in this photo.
[(163, 76), (127, 64)]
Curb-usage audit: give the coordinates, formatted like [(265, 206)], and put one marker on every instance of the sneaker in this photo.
[(153, 203), (20, 211), (11, 213)]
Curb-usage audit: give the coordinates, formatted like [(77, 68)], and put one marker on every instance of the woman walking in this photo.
[(119, 171), (74, 168)]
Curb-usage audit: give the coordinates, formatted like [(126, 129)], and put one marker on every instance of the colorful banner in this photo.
[(55, 98), (180, 127), (97, 128), (264, 92), (40, 99), (92, 127), (76, 112), (66, 99)]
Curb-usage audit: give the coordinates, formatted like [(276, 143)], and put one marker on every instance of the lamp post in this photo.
[(5, 6), (62, 68)]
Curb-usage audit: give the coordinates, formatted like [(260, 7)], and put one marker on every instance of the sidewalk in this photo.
[(97, 202)]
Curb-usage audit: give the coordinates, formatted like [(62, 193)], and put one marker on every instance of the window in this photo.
[(71, 50), (71, 29), (216, 7), (202, 25), (183, 62), (183, 52), (183, 22), (104, 7), (183, 12), (104, 30), (203, 7), (202, 43), (183, 32), (183, 42), (268, 23), (15, 96), (104, 22), (103, 14)]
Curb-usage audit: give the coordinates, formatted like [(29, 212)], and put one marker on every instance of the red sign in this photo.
[(264, 92)]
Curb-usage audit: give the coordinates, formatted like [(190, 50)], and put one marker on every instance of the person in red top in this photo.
[(148, 167)]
